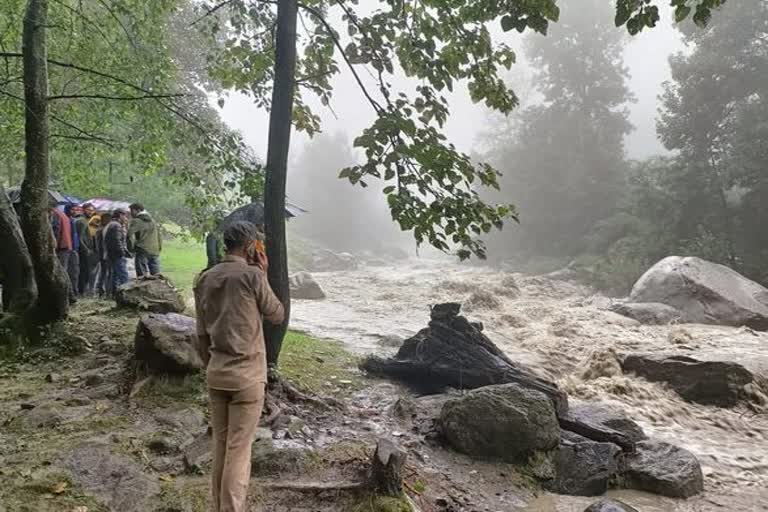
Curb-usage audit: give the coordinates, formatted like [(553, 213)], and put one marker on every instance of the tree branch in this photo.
[(84, 138), (317, 14), (211, 11), (117, 98)]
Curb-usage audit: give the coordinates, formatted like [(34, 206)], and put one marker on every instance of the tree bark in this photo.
[(280, 124), (386, 469), (16, 272), (52, 282)]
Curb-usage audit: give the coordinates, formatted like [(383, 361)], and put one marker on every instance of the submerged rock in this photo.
[(506, 422), (165, 344), (153, 294), (610, 506), (718, 383), (704, 292), (664, 469), (116, 481), (324, 260), (649, 313), (304, 287)]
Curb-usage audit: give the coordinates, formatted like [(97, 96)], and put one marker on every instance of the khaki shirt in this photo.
[(230, 300)]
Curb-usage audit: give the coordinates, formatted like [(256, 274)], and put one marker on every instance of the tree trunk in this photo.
[(16, 272), (280, 124), (387, 469), (52, 282)]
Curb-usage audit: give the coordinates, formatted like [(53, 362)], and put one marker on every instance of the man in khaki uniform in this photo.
[(231, 298)]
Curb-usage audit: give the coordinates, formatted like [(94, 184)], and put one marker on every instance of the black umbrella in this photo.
[(254, 213), (14, 195)]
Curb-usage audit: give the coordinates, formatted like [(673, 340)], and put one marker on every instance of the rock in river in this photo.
[(718, 383), (664, 469), (165, 343), (610, 506), (506, 422), (304, 287), (649, 313), (584, 467), (704, 292)]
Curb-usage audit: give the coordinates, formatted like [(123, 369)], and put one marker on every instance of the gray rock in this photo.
[(599, 418), (78, 401), (664, 469), (197, 454), (706, 382), (187, 419), (163, 445), (584, 467), (52, 377), (156, 295), (114, 348), (649, 313), (704, 292), (268, 459), (114, 480), (506, 422), (45, 416), (610, 506), (166, 344), (94, 379), (304, 287)]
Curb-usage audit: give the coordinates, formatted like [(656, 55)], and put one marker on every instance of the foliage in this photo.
[(129, 117), (563, 159)]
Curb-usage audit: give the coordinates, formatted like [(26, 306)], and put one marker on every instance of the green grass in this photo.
[(319, 366), (181, 261)]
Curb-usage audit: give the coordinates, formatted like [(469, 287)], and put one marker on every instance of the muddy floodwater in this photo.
[(565, 332)]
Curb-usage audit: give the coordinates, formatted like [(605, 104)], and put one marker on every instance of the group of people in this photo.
[(94, 248)]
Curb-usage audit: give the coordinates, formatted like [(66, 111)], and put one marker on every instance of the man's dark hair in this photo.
[(136, 206), (118, 212), (239, 233), (68, 209), (88, 205)]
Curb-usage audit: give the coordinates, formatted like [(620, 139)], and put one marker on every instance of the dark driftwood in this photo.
[(454, 353), (386, 470)]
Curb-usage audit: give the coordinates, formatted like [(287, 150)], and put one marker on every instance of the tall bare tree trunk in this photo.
[(16, 272), (52, 282), (280, 124)]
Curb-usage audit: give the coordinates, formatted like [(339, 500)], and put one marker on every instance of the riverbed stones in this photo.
[(718, 383), (610, 506), (649, 313), (664, 469), (324, 260), (304, 287), (114, 480), (506, 422), (165, 344), (153, 294), (704, 292)]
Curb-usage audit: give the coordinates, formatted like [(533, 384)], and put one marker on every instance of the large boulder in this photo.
[(324, 260), (507, 422), (649, 313), (304, 286), (706, 382), (664, 469), (154, 294), (584, 467), (610, 506), (704, 292), (116, 481), (166, 344)]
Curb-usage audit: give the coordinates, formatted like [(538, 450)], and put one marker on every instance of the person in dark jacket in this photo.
[(73, 268), (88, 258), (145, 241), (116, 245), (104, 281)]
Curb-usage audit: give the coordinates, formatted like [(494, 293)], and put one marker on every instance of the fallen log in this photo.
[(454, 353)]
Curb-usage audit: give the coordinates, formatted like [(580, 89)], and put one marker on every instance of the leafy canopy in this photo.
[(430, 186)]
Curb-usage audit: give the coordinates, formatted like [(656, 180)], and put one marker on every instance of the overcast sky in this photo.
[(646, 56)]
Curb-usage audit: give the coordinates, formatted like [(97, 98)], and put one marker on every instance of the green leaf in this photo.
[(508, 23), (682, 12)]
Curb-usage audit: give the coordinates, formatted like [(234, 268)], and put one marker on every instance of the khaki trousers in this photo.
[(235, 418)]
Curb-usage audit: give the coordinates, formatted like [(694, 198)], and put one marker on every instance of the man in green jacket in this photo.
[(145, 241), (88, 258)]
